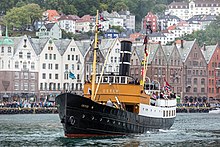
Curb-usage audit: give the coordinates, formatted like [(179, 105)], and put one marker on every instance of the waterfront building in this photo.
[(211, 54), (18, 69), (194, 71)]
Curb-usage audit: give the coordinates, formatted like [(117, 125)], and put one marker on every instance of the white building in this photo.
[(129, 19), (50, 30), (185, 10), (67, 23), (114, 18), (84, 24)]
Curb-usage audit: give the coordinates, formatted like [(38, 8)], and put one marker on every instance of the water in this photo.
[(191, 130)]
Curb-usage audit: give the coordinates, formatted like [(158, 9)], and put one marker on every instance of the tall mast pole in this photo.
[(94, 57), (148, 31)]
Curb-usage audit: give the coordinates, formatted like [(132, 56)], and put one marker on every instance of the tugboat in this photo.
[(115, 104)]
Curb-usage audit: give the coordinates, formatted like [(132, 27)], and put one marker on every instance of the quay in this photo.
[(193, 109), (34, 110)]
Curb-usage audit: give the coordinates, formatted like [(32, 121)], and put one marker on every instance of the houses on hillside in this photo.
[(40, 68)]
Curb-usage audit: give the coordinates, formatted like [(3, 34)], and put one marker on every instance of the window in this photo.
[(9, 49), (66, 66), (202, 81), (78, 66), (202, 89), (54, 56), (20, 55), (111, 59), (72, 57), (68, 57), (72, 66), (76, 57), (50, 57), (115, 59), (56, 76), (45, 56), (195, 81), (32, 65), (56, 66), (44, 76), (44, 66), (2, 50), (28, 55), (16, 64), (50, 76), (195, 89), (24, 65), (41, 86), (32, 75)]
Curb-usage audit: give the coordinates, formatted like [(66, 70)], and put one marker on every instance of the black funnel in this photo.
[(125, 56)]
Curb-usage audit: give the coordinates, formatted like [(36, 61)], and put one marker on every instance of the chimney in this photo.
[(204, 46), (181, 43)]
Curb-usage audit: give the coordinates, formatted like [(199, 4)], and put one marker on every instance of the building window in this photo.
[(2, 50), (68, 57), (16, 64), (24, 65), (32, 75), (76, 57), (195, 89), (78, 66), (56, 66), (56, 76), (45, 56), (115, 59), (72, 57), (50, 76), (32, 65), (66, 67), (111, 59), (16, 75), (202, 90), (16, 86), (28, 55), (20, 55), (41, 86), (202, 81), (195, 81), (50, 56), (44, 76), (44, 66), (9, 49), (54, 56), (72, 66)]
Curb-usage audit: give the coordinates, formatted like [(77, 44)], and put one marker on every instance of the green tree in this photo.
[(120, 6), (22, 17)]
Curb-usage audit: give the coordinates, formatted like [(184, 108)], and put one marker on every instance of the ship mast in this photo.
[(148, 31), (94, 57)]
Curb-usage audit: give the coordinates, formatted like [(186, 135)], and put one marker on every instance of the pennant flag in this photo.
[(71, 75)]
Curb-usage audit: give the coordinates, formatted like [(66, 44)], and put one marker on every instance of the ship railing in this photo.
[(116, 79)]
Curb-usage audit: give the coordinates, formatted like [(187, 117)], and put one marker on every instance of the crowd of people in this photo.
[(26, 104)]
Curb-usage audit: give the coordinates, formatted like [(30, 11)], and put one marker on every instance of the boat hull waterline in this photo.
[(82, 117)]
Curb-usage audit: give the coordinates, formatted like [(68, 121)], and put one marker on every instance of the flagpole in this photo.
[(94, 58)]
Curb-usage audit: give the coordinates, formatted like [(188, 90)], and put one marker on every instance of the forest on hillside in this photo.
[(81, 7)]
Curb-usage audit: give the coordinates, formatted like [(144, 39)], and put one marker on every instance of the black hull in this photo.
[(82, 117)]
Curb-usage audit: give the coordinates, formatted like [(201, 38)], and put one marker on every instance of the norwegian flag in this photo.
[(167, 86)]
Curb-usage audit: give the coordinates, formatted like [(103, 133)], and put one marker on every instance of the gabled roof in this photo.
[(16, 41), (52, 14), (208, 52), (187, 47), (179, 4), (62, 45), (168, 49), (83, 46), (38, 44), (49, 26), (105, 44), (152, 49)]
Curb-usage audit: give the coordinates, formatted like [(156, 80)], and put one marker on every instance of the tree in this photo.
[(22, 17), (119, 6)]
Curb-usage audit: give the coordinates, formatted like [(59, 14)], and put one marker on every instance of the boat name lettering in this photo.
[(85, 106)]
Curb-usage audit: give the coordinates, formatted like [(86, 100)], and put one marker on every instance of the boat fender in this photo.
[(72, 120)]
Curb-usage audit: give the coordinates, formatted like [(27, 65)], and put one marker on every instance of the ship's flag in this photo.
[(167, 86), (72, 75)]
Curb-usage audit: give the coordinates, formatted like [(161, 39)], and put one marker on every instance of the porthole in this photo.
[(83, 116)]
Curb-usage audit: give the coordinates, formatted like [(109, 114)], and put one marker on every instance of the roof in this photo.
[(52, 14), (38, 44), (156, 34), (177, 5), (66, 17), (49, 26), (187, 46), (208, 51), (168, 49), (105, 45), (168, 17), (62, 45), (83, 46), (204, 2)]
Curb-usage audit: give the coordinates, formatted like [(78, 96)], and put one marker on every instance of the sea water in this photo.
[(189, 129)]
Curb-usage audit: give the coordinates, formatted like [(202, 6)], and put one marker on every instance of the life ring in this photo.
[(72, 120)]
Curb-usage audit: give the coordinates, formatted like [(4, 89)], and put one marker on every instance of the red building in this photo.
[(211, 53), (152, 19)]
